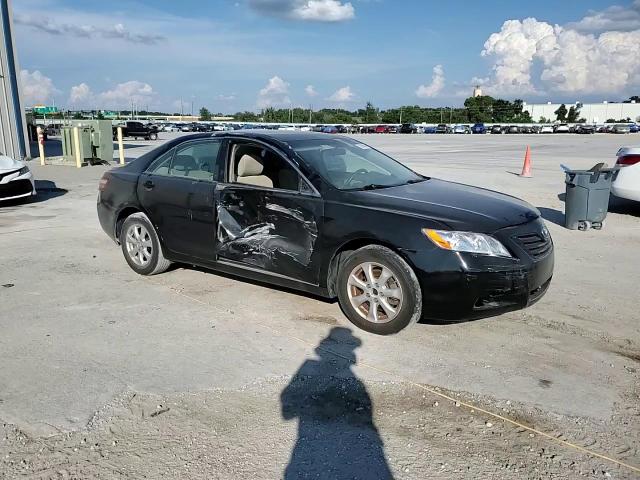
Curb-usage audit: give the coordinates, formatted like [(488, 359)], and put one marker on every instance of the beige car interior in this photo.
[(250, 171), (255, 165)]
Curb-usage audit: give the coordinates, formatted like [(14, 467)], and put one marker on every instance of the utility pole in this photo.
[(401, 108), (450, 114), (310, 110)]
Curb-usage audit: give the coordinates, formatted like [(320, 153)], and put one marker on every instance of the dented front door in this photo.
[(272, 230)]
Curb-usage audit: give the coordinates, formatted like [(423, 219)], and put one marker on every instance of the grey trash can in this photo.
[(587, 197)]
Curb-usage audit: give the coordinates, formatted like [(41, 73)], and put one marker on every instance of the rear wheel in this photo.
[(141, 246), (378, 291), (153, 136)]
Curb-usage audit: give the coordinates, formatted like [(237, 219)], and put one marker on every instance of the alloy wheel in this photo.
[(375, 292), (139, 244)]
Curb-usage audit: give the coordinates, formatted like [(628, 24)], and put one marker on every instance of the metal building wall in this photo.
[(13, 133)]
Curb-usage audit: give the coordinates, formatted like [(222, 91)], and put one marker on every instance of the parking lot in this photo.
[(192, 374)]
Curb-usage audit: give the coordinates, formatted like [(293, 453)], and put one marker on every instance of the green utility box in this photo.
[(95, 141)]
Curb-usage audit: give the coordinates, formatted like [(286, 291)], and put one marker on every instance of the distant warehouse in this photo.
[(592, 112)]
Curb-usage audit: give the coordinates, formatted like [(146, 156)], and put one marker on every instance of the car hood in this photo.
[(8, 163), (455, 205)]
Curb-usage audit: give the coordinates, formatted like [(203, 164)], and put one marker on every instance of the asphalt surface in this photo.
[(81, 332)]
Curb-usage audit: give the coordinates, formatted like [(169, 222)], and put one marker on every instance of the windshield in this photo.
[(350, 165)]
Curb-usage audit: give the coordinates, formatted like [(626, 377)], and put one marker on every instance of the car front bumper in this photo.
[(462, 286), (19, 186)]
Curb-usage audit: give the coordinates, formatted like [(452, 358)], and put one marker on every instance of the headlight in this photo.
[(23, 170), (467, 242)]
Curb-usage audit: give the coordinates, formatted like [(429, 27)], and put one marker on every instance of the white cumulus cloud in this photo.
[(79, 94), (275, 93), (436, 85), (122, 95), (125, 93), (310, 90), (306, 10), (531, 56), (342, 95), (36, 87)]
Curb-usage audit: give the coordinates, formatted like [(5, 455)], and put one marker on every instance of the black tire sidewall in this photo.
[(150, 267), (412, 302)]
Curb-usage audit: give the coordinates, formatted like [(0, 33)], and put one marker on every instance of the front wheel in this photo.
[(153, 136), (378, 291), (141, 246)]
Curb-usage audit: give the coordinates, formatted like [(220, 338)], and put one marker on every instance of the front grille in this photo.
[(534, 244), (15, 188)]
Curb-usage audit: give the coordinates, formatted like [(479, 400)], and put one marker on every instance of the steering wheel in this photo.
[(360, 171)]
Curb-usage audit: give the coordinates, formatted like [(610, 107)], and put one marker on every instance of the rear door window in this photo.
[(198, 160)]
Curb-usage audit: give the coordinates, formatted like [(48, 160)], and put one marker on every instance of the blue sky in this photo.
[(250, 54)]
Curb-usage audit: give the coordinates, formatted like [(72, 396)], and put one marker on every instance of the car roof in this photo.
[(283, 136)]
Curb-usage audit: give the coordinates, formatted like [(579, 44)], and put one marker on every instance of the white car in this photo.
[(16, 180), (546, 129), (626, 183), (562, 128)]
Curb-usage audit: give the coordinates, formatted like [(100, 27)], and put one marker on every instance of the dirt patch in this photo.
[(306, 425), (319, 319), (630, 355)]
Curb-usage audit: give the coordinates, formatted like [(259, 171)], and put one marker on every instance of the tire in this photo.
[(397, 304), (138, 233), (153, 136)]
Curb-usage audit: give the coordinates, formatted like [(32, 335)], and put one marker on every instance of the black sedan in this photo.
[(331, 216)]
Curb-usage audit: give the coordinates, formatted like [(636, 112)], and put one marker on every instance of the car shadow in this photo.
[(251, 281), (337, 437), (45, 190), (623, 206)]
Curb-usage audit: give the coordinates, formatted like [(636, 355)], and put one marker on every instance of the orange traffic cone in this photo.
[(526, 168)]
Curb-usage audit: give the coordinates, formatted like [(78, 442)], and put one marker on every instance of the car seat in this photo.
[(251, 172)]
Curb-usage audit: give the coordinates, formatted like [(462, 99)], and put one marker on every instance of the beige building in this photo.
[(592, 112)]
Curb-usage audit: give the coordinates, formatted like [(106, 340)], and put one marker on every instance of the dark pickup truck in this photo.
[(135, 130)]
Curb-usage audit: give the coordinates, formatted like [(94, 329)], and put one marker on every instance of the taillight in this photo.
[(627, 160), (104, 181)]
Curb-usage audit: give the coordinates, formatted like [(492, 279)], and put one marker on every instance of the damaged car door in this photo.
[(268, 214)]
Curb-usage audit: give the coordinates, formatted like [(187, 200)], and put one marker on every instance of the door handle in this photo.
[(148, 185)]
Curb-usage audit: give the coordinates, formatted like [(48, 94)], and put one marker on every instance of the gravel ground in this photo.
[(190, 374)]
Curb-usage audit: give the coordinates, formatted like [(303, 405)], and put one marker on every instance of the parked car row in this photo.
[(478, 128)]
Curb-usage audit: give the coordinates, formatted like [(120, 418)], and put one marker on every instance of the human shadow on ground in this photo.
[(337, 438)]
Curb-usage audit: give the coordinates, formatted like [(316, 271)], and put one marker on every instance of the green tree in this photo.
[(561, 113), (370, 113), (502, 111), (479, 109), (544, 120), (245, 117), (100, 115), (78, 116), (573, 114), (205, 114)]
